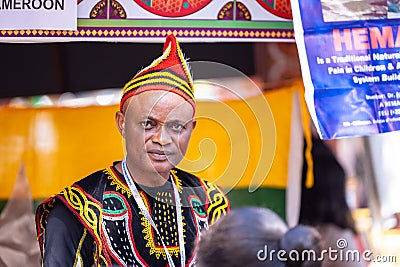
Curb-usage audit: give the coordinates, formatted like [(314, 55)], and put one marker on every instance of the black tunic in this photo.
[(96, 221)]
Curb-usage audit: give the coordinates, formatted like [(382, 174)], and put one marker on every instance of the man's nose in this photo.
[(162, 136)]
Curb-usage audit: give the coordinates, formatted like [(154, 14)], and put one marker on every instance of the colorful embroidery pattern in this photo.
[(199, 213), (78, 257), (122, 235), (41, 217), (163, 214), (219, 204), (89, 211), (119, 186), (178, 182), (117, 221), (197, 206)]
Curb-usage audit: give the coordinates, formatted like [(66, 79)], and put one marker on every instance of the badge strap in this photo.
[(145, 212)]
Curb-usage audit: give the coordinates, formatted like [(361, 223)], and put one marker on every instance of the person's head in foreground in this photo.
[(156, 115), (255, 236)]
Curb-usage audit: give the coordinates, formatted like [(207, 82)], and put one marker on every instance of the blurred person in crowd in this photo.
[(256, 236), (141, 211), (324, 206)]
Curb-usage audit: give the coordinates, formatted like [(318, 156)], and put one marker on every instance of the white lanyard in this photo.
[(143, 209)]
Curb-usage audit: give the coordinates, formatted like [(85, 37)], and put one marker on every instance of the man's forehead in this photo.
[(160, 103), (156, 95)]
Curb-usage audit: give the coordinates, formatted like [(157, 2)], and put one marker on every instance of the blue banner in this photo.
[(350, 57)]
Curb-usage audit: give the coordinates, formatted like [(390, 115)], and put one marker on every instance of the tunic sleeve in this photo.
[(218, 203), (66, 242)]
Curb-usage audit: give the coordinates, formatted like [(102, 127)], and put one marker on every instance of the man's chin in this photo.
[(162, 167)]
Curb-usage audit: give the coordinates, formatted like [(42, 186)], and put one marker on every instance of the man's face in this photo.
[(157, 128)]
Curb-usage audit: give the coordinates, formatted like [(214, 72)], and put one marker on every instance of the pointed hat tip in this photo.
[(171, 39)]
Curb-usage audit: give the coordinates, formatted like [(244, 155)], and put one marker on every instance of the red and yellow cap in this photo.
[(169, 72)]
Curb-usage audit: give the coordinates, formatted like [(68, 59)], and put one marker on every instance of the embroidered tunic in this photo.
[(96, 221)]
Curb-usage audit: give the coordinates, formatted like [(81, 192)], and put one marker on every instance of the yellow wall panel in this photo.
[(57, 146)]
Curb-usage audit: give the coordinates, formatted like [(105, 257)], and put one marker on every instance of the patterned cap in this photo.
[(169, 72)]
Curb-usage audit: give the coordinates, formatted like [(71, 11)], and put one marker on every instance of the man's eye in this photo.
[(176, 126), (148, 124)]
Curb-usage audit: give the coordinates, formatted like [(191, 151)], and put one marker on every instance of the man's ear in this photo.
[(120, 121), (194, 123)]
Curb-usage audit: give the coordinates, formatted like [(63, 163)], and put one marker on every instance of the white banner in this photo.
[(38, 14), (147, 21)]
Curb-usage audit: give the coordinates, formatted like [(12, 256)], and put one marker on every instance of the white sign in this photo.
[(38, 14)]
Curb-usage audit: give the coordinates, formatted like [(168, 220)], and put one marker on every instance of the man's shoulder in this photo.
[(78, 198), (189, 179), (87, 184), (215, 200), (92, 181), (85, 190)]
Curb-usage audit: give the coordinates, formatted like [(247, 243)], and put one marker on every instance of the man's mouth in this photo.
[(157, 154)]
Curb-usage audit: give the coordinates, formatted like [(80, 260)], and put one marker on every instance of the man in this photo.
[(142, 211)]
